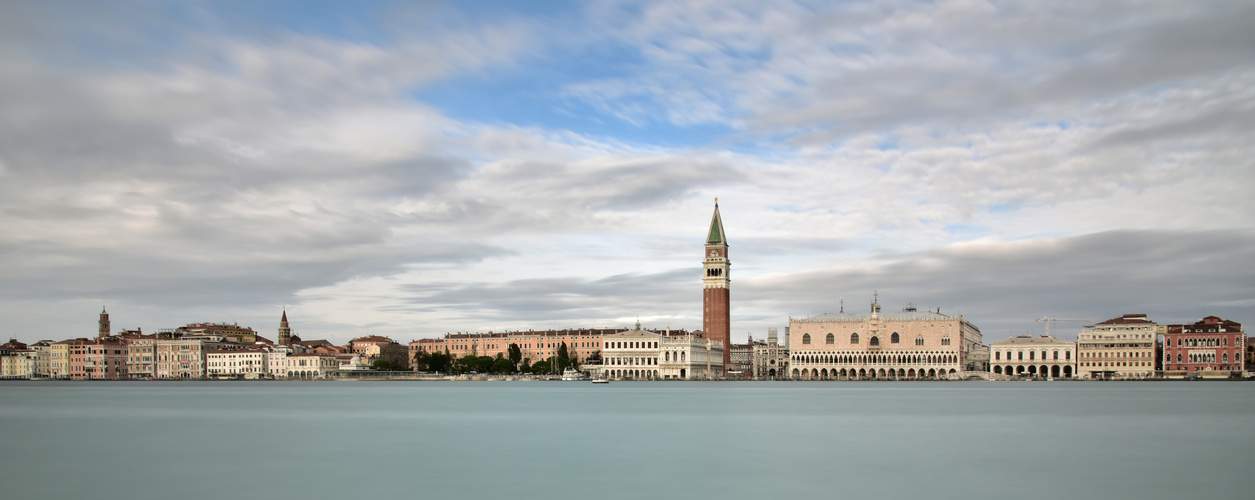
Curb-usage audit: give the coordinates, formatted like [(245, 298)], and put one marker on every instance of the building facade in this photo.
[(1025, 356), (911, 344), (243, 363), (1119, 348), (372, 348), (771, 359), (716, 296), (644, 355), (1211, 347)]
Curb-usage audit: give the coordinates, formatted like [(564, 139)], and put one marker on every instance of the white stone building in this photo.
[(1025, 356), (643, 355), (246, 363)]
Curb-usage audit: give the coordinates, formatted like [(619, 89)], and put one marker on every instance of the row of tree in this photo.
[(513, 362)]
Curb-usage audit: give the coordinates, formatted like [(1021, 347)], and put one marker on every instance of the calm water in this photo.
[(556, 440)]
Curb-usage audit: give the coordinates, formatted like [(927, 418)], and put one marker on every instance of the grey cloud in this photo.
[(563, 301), (1174, 276)]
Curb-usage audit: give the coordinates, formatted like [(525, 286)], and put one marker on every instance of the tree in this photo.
[(502, 365), (516, 354), (541, 366), (596, 356), (422, 361), (562, 352), (381, 365), (439, 362), (526, 366)]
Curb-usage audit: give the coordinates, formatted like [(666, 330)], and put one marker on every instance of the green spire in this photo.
[(716, 228)]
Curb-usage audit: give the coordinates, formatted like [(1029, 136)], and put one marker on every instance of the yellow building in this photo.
[(1119, 348)]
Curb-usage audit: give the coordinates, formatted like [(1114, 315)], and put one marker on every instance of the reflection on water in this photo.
[(625, 440)]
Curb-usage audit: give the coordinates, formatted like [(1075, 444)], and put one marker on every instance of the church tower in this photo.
[(716, 317), (103, 326), (285, 333)]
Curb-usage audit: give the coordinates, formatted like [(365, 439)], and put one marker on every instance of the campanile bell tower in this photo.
[(716, 316)]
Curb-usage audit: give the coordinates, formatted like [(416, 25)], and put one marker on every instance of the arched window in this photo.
[(875, 341), (945, 340), (854, 338), (1178, 358), (893, 339), (830, 339), (806, 339), (919, 340), (1226, 356)]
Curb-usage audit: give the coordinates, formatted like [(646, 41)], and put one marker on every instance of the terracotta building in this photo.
[(1211, 347)]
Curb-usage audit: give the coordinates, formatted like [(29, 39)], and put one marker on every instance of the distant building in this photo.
[(910, 344), (1119, 348), (1211, 347), (535, 345), (374, 347), (17, 360), (1044, 356), (644, 355), (742, 367), (228, 333), (83, 359), (716, 283), (771, 359), (103, 328), (243, 363)]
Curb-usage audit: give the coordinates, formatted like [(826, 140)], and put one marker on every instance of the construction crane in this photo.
[(1049, 320)]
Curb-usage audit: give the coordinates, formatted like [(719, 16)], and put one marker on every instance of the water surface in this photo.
[(554, 440)]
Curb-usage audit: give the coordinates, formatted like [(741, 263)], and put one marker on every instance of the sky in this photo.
[(411, 169)]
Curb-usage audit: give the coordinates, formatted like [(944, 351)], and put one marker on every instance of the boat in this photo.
[(601, 381), (571, 374)]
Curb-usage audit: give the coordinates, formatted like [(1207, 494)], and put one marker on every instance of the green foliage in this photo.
[(596, 356), (516, 354), (502, 365), (563, 353), (472, 363), (526, 367), (437, 362), (381, 365), (539, 367)]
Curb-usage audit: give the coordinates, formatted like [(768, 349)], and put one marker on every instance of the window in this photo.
[(893, 339), (875, 341), (945, 340), (830, 339), (1178, 358), (806, 339), (854, 338), (998, 355), (1032, 354), (1056, 355), (919, 340)]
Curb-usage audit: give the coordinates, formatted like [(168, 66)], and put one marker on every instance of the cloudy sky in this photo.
[(410, 169)]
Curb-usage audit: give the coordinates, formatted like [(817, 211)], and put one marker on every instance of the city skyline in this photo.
[(409, 170)]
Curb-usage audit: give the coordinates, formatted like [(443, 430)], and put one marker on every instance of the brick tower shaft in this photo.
[(717, 312)]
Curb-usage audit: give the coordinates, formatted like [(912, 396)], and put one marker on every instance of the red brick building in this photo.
[(717, 312), (1212, 347)]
